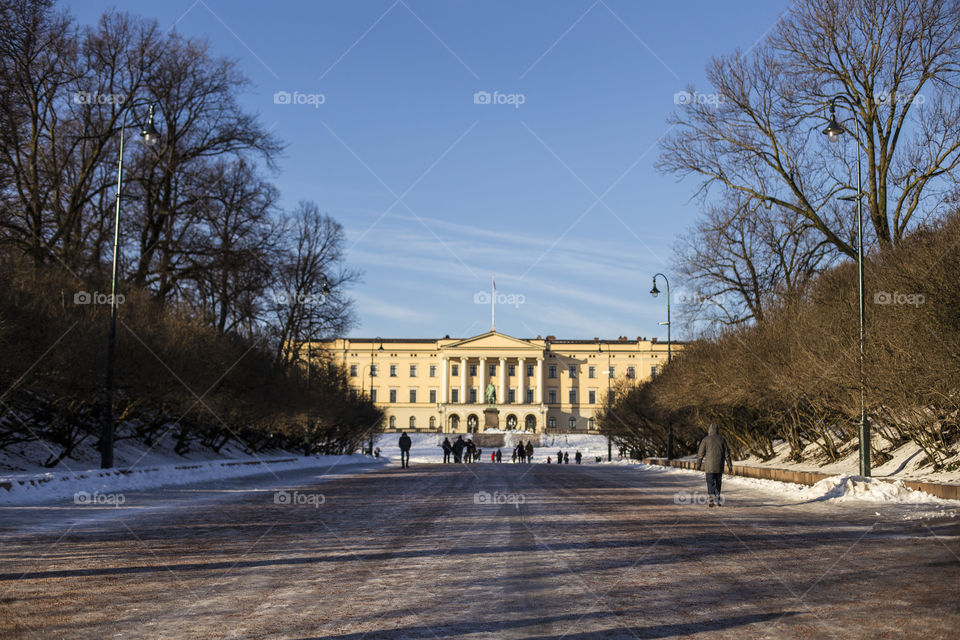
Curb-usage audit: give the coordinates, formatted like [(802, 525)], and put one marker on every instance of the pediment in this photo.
[(493, 341)]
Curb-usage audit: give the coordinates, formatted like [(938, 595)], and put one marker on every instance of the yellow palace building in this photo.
[(493, 380)]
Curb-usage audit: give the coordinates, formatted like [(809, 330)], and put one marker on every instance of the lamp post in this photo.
[(833, 131), (380, 340), (150, 136), (656, 292), (609, 375)]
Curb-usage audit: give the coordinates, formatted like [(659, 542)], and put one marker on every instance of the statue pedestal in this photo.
[(491, 418)]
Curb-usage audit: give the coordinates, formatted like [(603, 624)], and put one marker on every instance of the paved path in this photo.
[(556, 552)]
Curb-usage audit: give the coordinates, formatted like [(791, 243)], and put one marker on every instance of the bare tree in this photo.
[(893, 62), (736, 262), (308, 302)]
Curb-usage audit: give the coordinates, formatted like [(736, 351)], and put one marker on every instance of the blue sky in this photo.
[(550, 185)]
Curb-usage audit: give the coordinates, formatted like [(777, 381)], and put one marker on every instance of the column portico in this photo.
[(521, 381), (502, 393), (539, 397), (463, 380), (444, 382)]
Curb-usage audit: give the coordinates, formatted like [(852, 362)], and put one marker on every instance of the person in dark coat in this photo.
[(499, 455), (566, 458), (560, 457), (521, 453), (711, 455), (447, 450), (529, 450), (404, 450), (458, 448), (578, 457)]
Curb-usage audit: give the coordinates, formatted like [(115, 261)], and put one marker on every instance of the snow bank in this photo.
[(852, 487), (839, 488), (96, 486)]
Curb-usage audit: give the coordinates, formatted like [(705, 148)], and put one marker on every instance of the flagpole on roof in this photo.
[(493, 303)]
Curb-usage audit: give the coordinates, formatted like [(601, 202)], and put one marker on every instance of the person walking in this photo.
[(447, 450), (458, 448), (711, 455), (514, 456), (529, 451), (560, 457), (566, 458), (578, 457), (499, 456), (521, 452), (404, 450)]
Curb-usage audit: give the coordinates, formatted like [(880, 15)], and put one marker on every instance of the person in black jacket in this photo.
[(711, 455), (404, 450), (458, 448), (447, 450), (578, 457)]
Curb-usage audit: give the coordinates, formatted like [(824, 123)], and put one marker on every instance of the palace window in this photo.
[(552, 371), (612, 371), (631, 372), (413, 422), (393, 395), (572, 370), (591, 372), (454, 395), (373, 395), (511, 396), (413, 395), (529, 396), (572, 422), (529, 370), (653, 374), (591, 424), (433, 371), (433, 422), (473, 395), (433, 396), (393, 422), (573, 396), (413, 371), (473, 370), (552, 423), (511, 370), (592, 396), (455, 370), (393, 371), (373, 371), (353, 371), (552, 396)]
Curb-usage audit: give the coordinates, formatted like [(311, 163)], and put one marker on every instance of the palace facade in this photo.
[(540, 384)]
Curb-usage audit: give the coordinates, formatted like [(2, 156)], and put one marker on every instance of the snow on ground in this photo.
[(903, 465), (106, 486), (839, 488), (426, 447)]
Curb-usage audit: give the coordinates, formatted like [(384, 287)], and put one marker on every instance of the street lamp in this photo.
[(380, 340), (656, 292), (609, 375), (151, 137), (833, 131)]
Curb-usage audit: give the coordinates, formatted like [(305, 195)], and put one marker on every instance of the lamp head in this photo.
[(149, 132), (654, 292), (833, 128)]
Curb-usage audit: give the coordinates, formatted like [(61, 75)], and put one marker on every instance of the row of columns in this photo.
[(502, 383)]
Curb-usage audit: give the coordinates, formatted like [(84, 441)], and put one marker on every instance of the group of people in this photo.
[(460, 450), (523, 452), (564, 458)]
